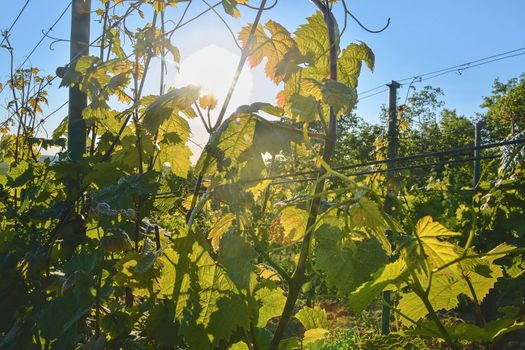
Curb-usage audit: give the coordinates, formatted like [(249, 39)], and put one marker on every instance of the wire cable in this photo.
[(45, 35), (360, 173), (396, 169), (466, 65), (6, 34), (449, 152), (371, 95), (459, 68)]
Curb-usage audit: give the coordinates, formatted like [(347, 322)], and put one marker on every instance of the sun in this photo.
[(212, 68)]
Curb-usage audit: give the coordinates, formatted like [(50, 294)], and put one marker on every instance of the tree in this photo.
[(505, 114), (355, 140)]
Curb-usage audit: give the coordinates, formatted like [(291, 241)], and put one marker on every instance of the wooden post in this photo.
[(79, 46), (391, 153)]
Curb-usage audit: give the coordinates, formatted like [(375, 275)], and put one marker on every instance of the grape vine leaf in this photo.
[(443, 295), (230, 7), (338, 95), (303, 108), (141, 283), (312, 79), (237, 257), (208, 304), (160, 325), (170, 106), (350, 62), (208, 102), (336, 258), (219, 229), (168, 273), (61, 313), (270, 300), (383, 279), (481, 273), (313, 338), (365, 215), (312, 318), (468, 332), (174, 158), (393, 341), (273, 47), (437, 251), (289, 226), (227, 143), (312, 40), (260, 107)]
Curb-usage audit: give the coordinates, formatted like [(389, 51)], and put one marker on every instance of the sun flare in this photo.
[(212, 68)]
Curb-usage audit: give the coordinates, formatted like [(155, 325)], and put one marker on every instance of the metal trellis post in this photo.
[(477, 153), (391, 153)]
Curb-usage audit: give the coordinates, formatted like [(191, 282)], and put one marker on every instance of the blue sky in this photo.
[(423, 36)]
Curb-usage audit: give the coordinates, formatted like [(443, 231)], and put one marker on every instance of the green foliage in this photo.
[(382, 279), (312, 318), (340, 339), (506, 107), (271, 302), (291, 225), (393, 341), (337, 255)]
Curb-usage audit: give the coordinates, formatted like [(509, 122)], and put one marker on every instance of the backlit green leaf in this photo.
[(346, 266), (312, 318), (382, 279), (271, 302)]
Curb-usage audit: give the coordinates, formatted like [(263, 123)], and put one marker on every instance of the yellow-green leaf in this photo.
[(312, 318), (383, 279), (219, 229), (292, 225), (346, 266), (271, 302), (432, 235), (349, 64), (274, 47)]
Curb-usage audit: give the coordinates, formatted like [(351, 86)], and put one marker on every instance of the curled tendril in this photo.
[(374, 31)]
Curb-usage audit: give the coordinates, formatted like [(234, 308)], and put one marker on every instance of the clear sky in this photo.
[(424, 36)]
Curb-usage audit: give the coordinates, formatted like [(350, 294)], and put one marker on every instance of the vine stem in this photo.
[(245, 52), (163, 68), (267, 191), (97, 304), (136, 121), (254, 336), (418, 289), (101, 56), (299, 276), (477, 307)]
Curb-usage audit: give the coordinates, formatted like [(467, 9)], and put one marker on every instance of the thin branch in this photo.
[(242, 61), (199, 112), (225, 24)]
